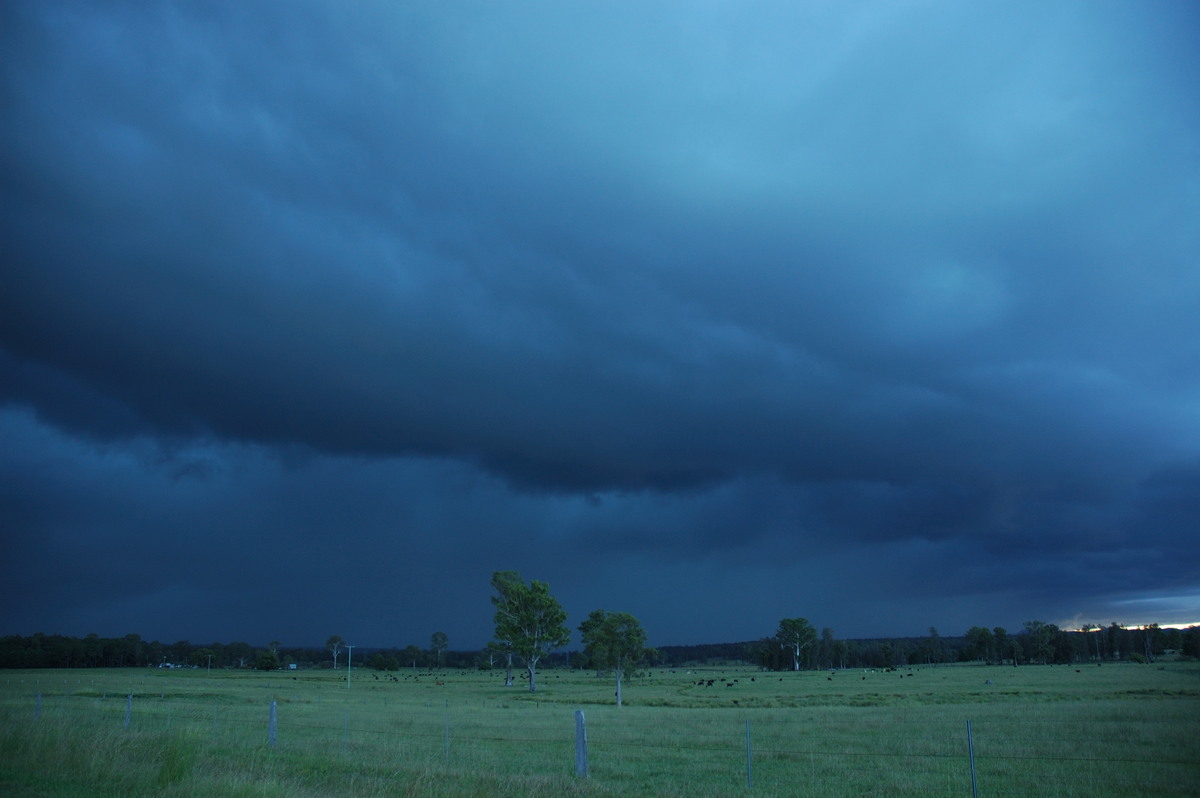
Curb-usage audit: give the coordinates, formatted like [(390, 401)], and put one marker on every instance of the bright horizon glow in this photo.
[(1133, 626)]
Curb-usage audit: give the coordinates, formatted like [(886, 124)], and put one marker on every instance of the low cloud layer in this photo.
[(885, 316)]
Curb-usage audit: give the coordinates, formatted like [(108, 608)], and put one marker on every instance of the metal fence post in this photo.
[(971, 754), (271, 726), (581, 753)]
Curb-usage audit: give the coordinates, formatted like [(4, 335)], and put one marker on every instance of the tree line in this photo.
[(530, 627), (1045, 643), (796, 645), (59, 651)]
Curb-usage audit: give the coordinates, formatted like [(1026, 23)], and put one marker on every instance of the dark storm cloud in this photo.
[(910, 289)]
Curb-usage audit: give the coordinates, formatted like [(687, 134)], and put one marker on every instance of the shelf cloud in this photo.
[(886, 315)]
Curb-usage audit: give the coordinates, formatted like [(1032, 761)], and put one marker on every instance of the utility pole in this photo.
[(349, 656)]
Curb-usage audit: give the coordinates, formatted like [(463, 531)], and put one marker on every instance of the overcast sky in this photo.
[(315, 314)]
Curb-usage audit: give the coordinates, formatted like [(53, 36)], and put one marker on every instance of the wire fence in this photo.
[(649, 750)]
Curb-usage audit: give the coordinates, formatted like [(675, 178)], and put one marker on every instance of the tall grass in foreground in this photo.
[(1116, 731)]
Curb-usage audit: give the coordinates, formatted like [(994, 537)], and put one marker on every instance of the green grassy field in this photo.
[(1117, 730)]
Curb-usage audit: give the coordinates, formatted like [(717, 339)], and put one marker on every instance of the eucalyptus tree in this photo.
[(841, 651), (202, 657), (412, 655), (496, 649), (439, 642), (500, 581), (1003, 644), (613, 640), (334, 644), (239, 652), (980, 643), (795, 635), (933, 649), (828, 654), (1087, 630), (1040, 638), (529, 621)]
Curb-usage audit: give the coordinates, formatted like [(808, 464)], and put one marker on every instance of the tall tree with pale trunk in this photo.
[(613, 640), (334, 644), (529, 621), (795, 635)]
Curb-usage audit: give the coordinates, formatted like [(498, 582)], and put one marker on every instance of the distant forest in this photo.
[(1036, 643)]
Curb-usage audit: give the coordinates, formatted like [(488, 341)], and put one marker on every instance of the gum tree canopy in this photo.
[(796, 634), (613, 640), (529, 621)]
